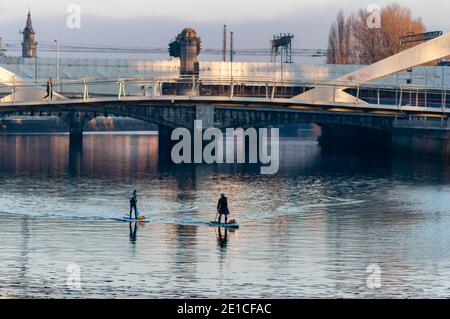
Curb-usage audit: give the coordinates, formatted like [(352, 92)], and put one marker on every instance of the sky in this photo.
[(150, 23)]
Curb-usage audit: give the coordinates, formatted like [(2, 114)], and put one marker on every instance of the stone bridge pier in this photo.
[(76, 122), (205, 113)]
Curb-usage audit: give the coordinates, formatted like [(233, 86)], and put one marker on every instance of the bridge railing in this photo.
[(232, 87)]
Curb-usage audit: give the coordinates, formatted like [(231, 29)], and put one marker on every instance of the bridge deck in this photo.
[(246, 102)]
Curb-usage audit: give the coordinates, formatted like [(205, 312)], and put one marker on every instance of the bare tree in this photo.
[(340, 39), (362, 44)]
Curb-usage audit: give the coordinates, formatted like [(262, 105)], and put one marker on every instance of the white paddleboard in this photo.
[(133, 220), (217, 224)]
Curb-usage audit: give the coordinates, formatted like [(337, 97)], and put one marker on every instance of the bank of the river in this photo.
[(54, 124)]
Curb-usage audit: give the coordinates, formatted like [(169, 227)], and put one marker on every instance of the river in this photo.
[(314, 230)]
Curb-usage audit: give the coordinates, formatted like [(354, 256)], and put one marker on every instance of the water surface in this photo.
[(310, 231)]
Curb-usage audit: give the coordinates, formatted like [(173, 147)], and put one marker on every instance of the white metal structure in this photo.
[(129, 90), (324, 92), (426, 52), (22, 90)]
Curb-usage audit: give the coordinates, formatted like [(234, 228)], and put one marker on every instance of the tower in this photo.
[(187, 48), (190, 48), (2, 51), (29, 43)]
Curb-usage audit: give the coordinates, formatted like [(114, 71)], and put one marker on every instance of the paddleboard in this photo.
[(134, 220), (217, 224)]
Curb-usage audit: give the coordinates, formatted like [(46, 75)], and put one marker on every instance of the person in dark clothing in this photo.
[(222, 208), (49, 89), (133, 205)]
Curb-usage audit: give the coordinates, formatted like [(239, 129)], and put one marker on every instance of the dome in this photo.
[(189, 33)]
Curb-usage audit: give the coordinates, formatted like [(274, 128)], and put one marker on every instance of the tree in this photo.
[(360, 43), (340, 39)]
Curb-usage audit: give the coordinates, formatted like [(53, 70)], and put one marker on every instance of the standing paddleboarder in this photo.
[(222, 208), (133, 205)]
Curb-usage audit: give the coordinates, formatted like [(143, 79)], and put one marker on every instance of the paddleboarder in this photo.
[(133, 205), (222, 208)]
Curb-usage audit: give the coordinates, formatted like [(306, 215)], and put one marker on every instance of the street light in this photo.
[(36, 63), (231, 52), (57, 65)]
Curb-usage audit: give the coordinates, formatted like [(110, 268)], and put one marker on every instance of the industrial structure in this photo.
[(29, 44), (282, 45)]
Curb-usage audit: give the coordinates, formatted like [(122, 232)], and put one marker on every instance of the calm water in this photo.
[(310, 231)]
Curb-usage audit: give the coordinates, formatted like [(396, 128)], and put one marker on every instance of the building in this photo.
[(29, 44), (2, 51), (190, 49)]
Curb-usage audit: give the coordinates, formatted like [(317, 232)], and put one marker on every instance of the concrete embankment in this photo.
[(54, 124), (431, 142), (422, 137)]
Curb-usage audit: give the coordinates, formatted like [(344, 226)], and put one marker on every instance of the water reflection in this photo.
[(132, 156), (99, 155), (222, 237), (309, 231), (133, 232), (75, 159)]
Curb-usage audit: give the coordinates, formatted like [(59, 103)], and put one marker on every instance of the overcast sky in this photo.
[(212, 10), (150, 23)]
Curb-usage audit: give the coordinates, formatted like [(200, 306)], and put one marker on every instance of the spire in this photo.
[(29, 43), (29, 25)]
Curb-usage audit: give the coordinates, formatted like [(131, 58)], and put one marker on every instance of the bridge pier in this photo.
[(76, 124), (201, 112), (165, 144), (358, 139)]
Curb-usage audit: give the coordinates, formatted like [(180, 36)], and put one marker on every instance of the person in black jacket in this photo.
[(133, 205), (222, 208)]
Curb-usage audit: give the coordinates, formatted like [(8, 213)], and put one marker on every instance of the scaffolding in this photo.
[(282, 45)]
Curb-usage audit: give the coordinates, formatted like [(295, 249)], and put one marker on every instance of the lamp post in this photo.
[(231, 52), (36, 63), (58, 80), (224, 43)]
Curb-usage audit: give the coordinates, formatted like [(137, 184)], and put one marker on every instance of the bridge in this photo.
[(349, 101)]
